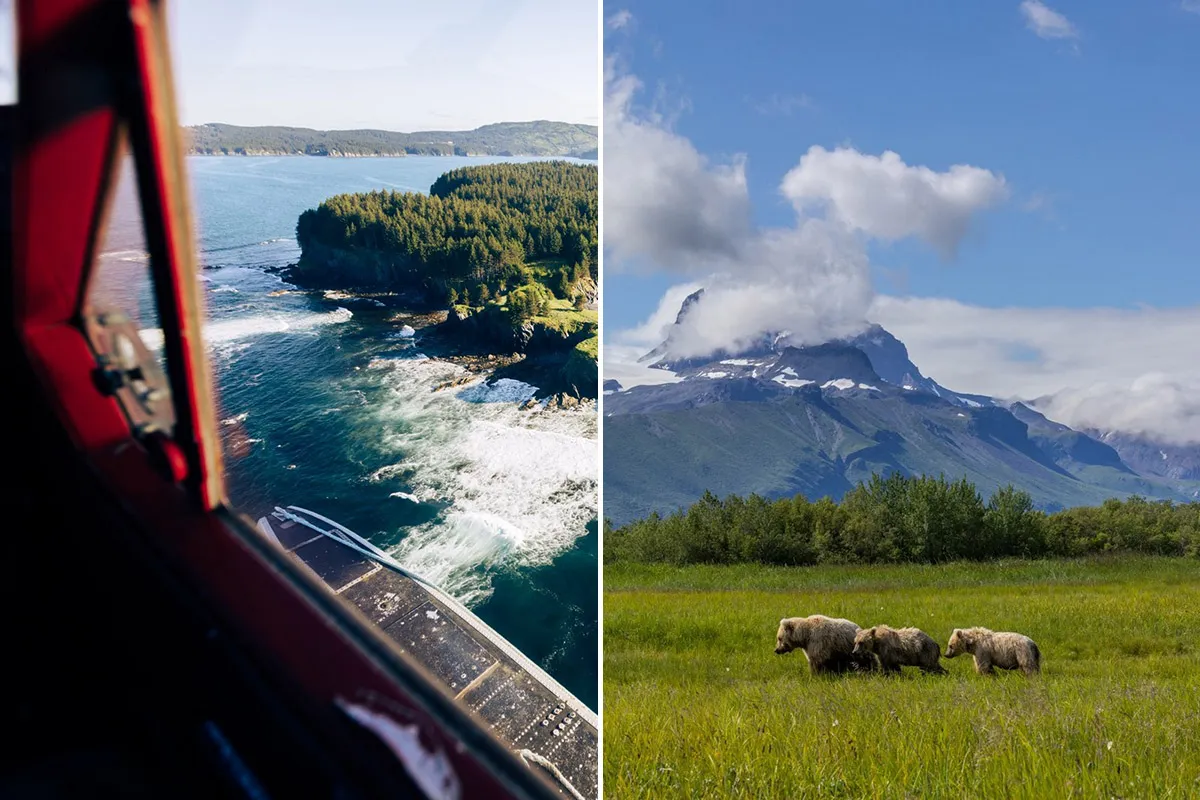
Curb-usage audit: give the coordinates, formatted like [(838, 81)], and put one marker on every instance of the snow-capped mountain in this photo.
[(772, 356), (779, 419)]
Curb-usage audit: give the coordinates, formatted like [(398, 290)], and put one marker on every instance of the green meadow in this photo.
[(696, 703)]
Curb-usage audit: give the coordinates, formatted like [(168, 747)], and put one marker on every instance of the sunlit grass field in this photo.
[(696, 703)]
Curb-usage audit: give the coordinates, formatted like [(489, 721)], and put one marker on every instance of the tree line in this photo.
[(898, 519), (476, 232)]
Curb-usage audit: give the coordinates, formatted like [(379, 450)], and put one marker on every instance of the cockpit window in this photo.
[(402, 329), (118, 310)]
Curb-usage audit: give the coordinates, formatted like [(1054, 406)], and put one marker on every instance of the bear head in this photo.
[(960, 640), (788, 637), (864, 640)]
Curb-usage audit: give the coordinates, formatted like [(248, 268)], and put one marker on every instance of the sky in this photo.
[(8, 76), (1011, 188), (450, 65)]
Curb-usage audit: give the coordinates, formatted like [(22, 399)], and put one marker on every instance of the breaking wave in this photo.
[(228, 331), (520, 486)]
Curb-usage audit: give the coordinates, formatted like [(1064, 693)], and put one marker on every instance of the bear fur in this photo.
[(996, 650), (828, 644), (900, 647)]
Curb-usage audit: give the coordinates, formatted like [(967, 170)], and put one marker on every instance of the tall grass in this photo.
[(696, 704)]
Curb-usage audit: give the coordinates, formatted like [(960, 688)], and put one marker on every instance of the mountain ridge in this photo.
[(537, 138), (818, 419)]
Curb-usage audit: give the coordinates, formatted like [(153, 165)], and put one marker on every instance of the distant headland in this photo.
[(538, 138)]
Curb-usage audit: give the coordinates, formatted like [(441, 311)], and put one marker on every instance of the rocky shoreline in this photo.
[(531, 355), (430, 325), (492, 366)]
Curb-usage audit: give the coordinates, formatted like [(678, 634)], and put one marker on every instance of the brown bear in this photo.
[(992, 649), (827, 643), (900, 647)]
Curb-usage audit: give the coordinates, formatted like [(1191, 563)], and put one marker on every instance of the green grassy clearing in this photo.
[(588, 349), (565, 319), (697, 704)]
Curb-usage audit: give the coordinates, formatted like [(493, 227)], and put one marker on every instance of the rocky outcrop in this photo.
[(324, 267), (580, 374), (495, 329)]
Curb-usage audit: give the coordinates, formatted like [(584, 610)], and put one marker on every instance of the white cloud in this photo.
[(1155, 405), (1132, 370), (812, 281), (1046, 22), (654, 328), (668, 207), (621, 364), (888, 199), (620, 20), (664, 200), (1190, 5)]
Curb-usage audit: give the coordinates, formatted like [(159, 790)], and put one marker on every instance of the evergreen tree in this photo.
[(477, 224)]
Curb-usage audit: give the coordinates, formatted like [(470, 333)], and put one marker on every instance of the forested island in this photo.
[(508, 250), (541, 138)]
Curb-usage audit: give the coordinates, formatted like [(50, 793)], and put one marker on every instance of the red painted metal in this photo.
[(171, 460), (179, 305), (292, 623), (47, 296)]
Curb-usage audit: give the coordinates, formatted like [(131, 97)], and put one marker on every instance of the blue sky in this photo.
[(1083, 115), (454, 65)]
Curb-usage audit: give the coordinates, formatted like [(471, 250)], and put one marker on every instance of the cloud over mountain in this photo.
[(1133, 370), (667, 207)]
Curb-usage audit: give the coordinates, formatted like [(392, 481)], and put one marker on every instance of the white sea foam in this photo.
[(227, 331), (505, 390), (412, 498), (230, 330), (520, 487)]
